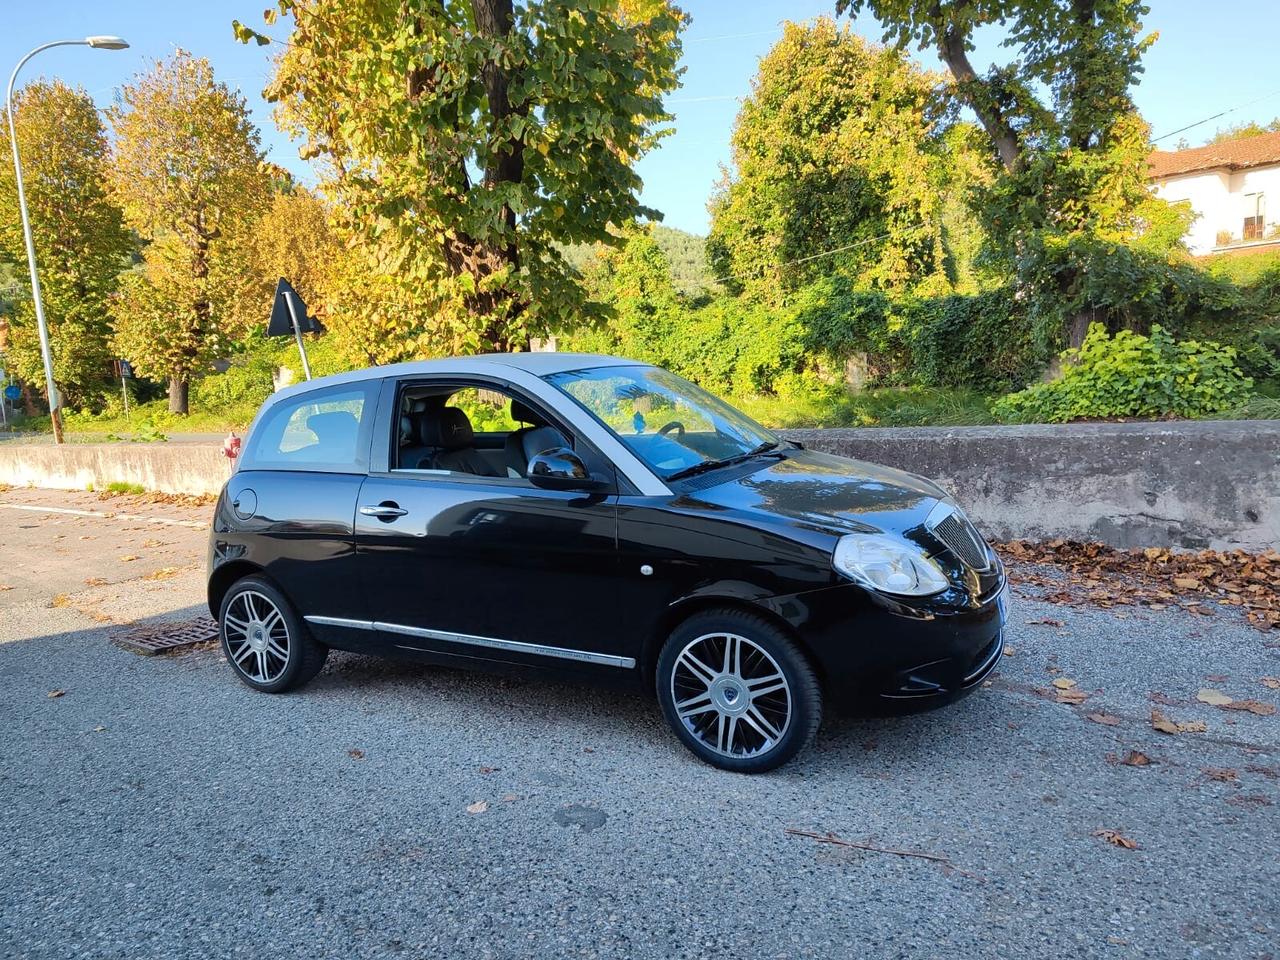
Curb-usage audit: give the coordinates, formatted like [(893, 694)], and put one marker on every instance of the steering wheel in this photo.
[(674, 425)]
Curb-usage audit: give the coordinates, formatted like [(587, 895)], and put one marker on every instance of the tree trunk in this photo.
[(951, 48), (1078, 327), (179, 388)]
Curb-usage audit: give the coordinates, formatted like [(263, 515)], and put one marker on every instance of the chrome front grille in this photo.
[(957, 534)]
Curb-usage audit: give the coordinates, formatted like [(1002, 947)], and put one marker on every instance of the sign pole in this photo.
[(297, 331)]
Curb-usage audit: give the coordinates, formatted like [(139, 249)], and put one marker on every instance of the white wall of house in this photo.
[(1222, 199)]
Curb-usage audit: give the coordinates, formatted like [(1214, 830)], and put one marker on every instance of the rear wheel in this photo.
[(265, 641), (737, 691)]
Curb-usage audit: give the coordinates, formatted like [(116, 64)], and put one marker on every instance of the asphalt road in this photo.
[(158, 808)]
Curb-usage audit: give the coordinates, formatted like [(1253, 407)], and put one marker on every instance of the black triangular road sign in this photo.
[(281, 322)]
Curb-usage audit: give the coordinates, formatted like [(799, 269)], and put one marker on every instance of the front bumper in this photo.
[(880, 655)]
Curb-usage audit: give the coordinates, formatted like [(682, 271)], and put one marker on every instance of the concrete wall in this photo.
[(166, 467), (1192, 485)]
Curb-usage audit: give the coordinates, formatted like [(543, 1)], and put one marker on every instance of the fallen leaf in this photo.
[(1009, 651), (95, 582), (509, 798), (1252, 706), (1271, 683), (480, 806), (1216, 677), (1046, 622), (1062, 683), (1221, 774), (164, 573), (1073, 697), (55, 694), (1157, 697), (61, 600), (1116, 839), (355, 753), (153, 543), (99, 729), (1136, 758), (1254, 800), (1215, 698), (5, 586), (1106, 719), (1193, 726), (128, 557), (489, 769), (1186, 583), (1162, 724)]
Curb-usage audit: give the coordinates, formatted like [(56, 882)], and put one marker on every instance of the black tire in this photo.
[(803, 694), (304, 657)]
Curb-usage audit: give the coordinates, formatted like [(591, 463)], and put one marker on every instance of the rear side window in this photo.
[(326, 431)]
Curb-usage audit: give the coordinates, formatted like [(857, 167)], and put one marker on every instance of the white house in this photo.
[(1228, 185)]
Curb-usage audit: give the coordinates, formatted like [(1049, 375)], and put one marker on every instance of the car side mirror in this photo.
[(561, 469)]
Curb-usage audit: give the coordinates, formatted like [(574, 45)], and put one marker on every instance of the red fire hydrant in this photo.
[(231, 446)]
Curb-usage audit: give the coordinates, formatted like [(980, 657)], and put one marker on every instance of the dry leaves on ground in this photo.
[(480, 806), (1221, 774), (1162, 724), (1106, 719), (1155, 577), (95, 582), (173, 499), (1271, 683), (1116, 838), (1215, 698), (355, 753), (164, 573), (1252, 706), (55, 694)]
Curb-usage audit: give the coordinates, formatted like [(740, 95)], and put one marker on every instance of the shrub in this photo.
[(1130, 375)]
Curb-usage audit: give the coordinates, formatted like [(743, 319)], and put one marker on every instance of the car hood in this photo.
[(834, 495)]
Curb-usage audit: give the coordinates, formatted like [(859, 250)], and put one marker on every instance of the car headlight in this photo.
[(888, 565)]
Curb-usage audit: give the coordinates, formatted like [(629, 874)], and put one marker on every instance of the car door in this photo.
[(464, 566), (292, 503)]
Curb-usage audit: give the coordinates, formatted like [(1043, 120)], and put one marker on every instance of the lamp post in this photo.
[(100, 43)]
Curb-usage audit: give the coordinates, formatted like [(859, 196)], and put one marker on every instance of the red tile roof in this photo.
[(1256, 151)]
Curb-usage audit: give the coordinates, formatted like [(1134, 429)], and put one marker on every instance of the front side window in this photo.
[(669, 423), (326, 431)]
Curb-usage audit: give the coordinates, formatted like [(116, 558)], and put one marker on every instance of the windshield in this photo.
[(666, 421)]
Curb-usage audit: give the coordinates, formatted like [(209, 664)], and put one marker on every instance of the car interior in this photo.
[(436, 432)]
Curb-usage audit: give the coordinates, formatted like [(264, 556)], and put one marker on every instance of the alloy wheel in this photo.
[(731, 695), (257, 636)]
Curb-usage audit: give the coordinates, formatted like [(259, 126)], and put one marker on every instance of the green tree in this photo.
[(1061, 120), (187, 171), (81, 242), (470, 140), (1239, 131), (831, 150)]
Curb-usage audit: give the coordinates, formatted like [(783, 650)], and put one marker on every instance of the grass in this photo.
[(122, 486), (884, 407)]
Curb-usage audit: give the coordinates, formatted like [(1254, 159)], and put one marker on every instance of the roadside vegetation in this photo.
[(894, 242)]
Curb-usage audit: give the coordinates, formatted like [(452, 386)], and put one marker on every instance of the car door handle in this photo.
[(387, 510)]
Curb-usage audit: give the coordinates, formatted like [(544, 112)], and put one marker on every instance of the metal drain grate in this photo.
[(163, 637)]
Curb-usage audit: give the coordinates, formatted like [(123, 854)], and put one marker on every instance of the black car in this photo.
[(607, 521)]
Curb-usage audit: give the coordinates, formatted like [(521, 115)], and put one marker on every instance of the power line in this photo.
[(1221, 113), (814, 256)]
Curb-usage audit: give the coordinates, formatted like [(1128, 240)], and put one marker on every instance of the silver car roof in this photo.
[(538, 363)]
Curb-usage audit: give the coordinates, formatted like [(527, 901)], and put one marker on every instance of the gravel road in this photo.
[(158, 808)]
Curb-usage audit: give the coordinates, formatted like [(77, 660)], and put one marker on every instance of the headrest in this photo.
[(521, 413), (338, 426), (406, 429), (447, 428), (539, 440)]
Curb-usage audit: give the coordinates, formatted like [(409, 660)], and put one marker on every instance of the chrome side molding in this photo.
[(493, 643)]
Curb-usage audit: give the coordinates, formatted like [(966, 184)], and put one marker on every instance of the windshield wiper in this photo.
[(706, 465)]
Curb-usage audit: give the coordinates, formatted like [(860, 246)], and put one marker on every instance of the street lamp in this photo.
[(100, 43)]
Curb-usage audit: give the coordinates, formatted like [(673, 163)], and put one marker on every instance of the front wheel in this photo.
[(738, 692), (264, 640)]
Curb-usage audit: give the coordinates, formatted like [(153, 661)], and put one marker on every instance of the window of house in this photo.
[(1254, 216)]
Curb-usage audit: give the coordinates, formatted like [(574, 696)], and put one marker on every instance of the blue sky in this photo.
[(1204, 62)]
